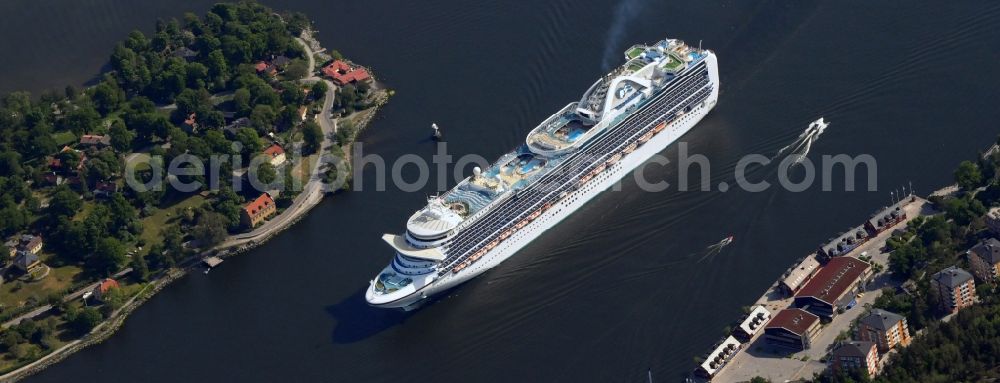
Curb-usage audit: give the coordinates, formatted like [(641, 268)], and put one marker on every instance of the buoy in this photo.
[(437, 132)]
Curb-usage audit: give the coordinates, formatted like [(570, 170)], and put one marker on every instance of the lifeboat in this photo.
[(476, 256), (630, 148), (493, 244), (600, 169), (534, 215), (521, 224), (506, 234), (584, 180), (659, 127), (547, 206), (646, 137), (614, 159)]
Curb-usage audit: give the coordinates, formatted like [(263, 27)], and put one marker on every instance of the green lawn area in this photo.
[(14, 293), (634, 52), (153, 224), (64, 138)]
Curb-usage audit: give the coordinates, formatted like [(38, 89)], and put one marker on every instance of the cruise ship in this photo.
[(623, 119)]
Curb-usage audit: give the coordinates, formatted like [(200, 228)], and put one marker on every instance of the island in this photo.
[(83, 246)]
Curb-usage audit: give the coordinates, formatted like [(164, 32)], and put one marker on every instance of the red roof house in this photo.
[(103, 287), (343, 74), (275, 154), (833, 287), (258, 210)]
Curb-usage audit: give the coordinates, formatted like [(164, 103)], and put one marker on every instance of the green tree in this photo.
[(140, 269), (250, 142), (312, 134), (968, 175), (65, 202), (211, 229), (82, 120), (113, 299), (109, 255), (291, 94), (319, 89), (85, 320), (297, 69), (107, 96), (121, 137), (265, 173), (10, 164), (262, 118), (242, 102)]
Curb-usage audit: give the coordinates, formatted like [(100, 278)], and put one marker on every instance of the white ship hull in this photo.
[(570, 204)]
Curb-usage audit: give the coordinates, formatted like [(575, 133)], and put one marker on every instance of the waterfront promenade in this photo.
[(779, 365)]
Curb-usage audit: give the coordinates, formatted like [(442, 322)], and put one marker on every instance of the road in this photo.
[(312, 191), (71, 296)]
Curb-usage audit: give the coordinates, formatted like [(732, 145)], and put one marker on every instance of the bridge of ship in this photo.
[(676, 96)]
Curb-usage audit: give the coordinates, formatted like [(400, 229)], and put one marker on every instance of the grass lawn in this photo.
[(14, 293), (64, 138), (634, 52), (141, 161), (153, 224), (303, 168)]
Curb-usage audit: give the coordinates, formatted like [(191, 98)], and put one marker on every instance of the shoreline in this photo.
[(233, 245), (752, 358)]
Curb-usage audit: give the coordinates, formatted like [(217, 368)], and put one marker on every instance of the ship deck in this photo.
[(680, 92)]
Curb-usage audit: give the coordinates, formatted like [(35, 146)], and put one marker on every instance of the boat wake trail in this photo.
[(625, 12), (715, 248), (800, 147)]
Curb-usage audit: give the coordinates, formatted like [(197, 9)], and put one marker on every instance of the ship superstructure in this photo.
[(624, 118)]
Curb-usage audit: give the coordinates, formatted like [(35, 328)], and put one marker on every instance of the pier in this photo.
[(758, 357)]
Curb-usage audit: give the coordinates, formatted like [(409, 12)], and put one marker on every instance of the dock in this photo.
[(211, 261), (756, 357)]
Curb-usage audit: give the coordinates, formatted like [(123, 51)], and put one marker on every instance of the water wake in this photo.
[(800, 147)]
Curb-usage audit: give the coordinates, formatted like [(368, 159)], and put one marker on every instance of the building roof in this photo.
[(794, 320), (993, 213), (845, 242), (854, 348), (274, 151), (25, 259), (888, 215), (801, 272), (31, 241), (95, 139), (881, 319), (107, 284), (830, 283), (720, 354), (256, 205), (988, 251), (106, 187), (752, 323), (281, 61), (184, 52), (343, 73), (260, 66), (952, 277)]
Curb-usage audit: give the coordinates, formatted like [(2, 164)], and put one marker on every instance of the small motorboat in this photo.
[(727, 240)]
